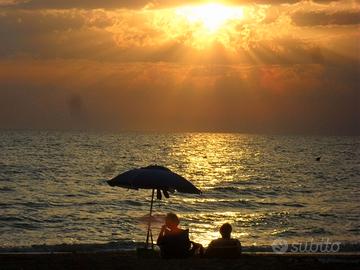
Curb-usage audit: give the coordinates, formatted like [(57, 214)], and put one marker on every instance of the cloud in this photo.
[(67, 64), (128, 4), (23, 22), (9, 3), (322, 18), (304, 98), (54, 33), (153, 37), (74, 4)]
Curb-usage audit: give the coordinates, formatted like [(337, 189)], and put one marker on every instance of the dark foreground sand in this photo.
[(129, 260)]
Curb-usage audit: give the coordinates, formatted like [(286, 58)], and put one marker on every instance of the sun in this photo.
[(211, 16)]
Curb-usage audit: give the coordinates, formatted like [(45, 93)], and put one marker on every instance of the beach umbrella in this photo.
[(154, 177)]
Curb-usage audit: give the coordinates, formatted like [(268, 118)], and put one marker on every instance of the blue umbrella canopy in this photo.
[(154, 177)]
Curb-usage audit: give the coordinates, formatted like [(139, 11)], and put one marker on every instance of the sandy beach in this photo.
[(130, 260)]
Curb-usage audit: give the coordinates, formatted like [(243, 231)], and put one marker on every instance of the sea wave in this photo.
[(53, 189)]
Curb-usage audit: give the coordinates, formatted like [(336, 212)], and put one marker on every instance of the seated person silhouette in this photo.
[(174, 242), (224, 247)]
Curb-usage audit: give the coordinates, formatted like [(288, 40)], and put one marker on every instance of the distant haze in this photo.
[(278, 67)]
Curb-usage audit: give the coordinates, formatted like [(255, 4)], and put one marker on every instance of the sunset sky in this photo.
[(282, 66)]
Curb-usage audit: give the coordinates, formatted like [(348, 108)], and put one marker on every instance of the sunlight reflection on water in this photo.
[(53, 188)]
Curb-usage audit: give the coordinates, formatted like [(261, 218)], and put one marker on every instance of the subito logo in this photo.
[(279, 246)]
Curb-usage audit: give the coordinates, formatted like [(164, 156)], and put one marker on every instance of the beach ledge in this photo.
[(130, 260)]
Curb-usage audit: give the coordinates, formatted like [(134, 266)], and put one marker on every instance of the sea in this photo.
[(297, 189)]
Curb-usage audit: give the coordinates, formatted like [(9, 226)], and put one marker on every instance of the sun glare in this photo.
[(211, 16)]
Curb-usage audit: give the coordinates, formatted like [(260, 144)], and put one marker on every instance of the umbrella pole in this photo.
[(149, 222)]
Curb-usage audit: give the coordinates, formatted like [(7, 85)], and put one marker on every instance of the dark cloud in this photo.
[(77, 34), (78, 4), (46, 34), (130, 4), (321, 18), (29, 23)]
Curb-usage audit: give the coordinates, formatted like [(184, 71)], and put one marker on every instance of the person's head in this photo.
[(225, 230), (171, 220)]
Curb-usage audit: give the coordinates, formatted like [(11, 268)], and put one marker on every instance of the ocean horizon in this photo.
[(296, 188)]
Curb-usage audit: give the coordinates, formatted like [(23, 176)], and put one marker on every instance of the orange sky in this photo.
[(245, 66)]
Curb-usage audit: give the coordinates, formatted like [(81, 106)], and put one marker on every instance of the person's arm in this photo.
[(161, 235)]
